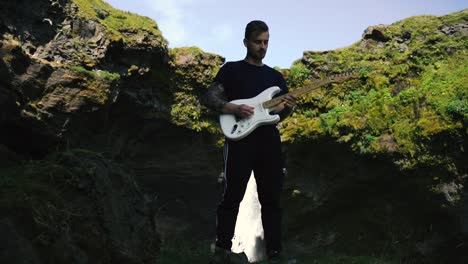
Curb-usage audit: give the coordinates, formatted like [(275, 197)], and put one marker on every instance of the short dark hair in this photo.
[(255, 26)]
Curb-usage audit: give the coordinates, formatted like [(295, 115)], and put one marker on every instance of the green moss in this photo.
[(297, 75), (410, 95), (97, 83), (445, 87), (196, 51), (458, 109), (98, 74), (110, 76), (191, 73), (186, 110), (118, 22)]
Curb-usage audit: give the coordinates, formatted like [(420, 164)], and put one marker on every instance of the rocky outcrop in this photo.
[(411, 194), (375, 33), (75, 207), (333, 196), (58, 66), (71, 80)]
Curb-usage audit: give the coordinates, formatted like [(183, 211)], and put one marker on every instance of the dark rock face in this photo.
[(333, 196), (84, 209), (14, 247), (375, 33), (66, 84), (179, 169), (62, 78), (49, 101), (35, 21), (454, 30)]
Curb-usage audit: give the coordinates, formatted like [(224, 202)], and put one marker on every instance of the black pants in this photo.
[(261, 152)]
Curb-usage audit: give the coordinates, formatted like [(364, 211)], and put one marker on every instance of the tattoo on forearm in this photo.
[(214, 98)]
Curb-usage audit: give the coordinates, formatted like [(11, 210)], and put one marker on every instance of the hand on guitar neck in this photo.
[(289, 103)]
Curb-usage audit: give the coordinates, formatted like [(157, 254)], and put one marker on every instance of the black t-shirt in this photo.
[(242, 80)]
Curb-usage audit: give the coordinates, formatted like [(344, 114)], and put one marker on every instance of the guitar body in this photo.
[(236, 128)]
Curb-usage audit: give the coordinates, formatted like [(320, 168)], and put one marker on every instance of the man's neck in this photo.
[(253, 61)]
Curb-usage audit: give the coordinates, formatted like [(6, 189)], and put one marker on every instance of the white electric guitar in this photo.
[(236, 128)]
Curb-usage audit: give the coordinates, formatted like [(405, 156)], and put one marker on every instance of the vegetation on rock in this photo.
[(412, 91), (122, 25)]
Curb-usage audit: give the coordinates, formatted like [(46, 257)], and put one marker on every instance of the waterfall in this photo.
[(248, 235)]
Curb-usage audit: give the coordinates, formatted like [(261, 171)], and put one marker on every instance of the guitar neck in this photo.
[(296, 93)]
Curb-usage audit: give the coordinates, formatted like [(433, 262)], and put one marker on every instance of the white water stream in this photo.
[(248, 235)]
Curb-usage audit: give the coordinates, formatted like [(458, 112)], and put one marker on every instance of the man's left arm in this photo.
[(289, 101), (286, 108)]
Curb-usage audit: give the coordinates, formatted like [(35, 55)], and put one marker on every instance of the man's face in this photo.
[(257, 44)]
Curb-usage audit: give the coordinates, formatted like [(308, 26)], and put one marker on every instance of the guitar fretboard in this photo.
[(296, 93)]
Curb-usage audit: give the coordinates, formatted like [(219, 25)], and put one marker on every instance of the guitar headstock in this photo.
[(343, 76)]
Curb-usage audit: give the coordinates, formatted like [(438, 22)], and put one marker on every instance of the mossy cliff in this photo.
[(382, 158), (84, 88), (93, 104), (412, 89)]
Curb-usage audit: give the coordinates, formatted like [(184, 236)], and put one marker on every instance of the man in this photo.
[(260, 151)]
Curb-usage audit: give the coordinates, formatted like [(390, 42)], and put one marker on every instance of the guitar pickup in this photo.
[(234, 128)]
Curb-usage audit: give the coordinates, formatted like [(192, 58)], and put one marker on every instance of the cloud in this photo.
[(170, 14), (222, 32), (172, 18)]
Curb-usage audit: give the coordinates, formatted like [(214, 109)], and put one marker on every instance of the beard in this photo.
[(257, 54)]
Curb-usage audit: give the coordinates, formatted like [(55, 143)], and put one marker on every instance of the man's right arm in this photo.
[(215, 99)]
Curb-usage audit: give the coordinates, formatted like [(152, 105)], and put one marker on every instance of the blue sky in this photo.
[(217, 26)]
